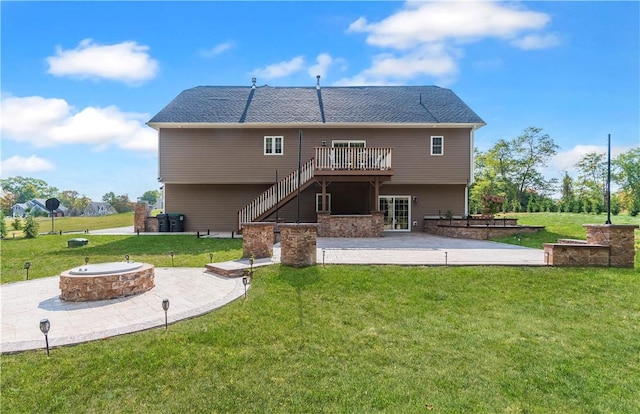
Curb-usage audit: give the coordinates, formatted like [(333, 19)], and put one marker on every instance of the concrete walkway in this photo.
[(193, 291), (422, 249)]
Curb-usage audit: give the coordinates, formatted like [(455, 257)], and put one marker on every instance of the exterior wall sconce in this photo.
[(415, 199), (324, 143)]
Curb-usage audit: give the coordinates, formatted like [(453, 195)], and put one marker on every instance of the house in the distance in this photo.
[(36, 207), (229, 155), (96, 208)]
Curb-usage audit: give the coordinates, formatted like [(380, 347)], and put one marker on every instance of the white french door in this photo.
[(396, 212)]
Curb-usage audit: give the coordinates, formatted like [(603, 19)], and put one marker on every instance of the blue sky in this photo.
[(80, 79)]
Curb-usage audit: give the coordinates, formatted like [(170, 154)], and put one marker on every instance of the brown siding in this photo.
[(235, 156)]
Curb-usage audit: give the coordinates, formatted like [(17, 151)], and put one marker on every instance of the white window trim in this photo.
[(348, 141), (273, 139), (319, 202), (441, 145)]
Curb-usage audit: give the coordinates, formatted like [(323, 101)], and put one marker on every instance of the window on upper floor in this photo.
[(437, 145), (273, 145)]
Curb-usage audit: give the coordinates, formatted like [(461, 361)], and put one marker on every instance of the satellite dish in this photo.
[(52, 204)]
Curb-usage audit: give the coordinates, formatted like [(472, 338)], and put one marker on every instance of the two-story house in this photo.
[(229, 155)]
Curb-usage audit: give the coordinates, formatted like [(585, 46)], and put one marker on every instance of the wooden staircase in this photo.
[(277, 195)]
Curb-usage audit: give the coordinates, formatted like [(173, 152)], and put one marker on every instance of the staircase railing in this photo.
[(275, 194)]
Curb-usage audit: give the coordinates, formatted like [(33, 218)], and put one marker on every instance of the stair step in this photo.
[(236, 268)]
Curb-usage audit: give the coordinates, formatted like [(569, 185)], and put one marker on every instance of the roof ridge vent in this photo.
[(253, 81), (317, 81)]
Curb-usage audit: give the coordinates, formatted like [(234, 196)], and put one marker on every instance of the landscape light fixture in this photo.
[(165, 306), (245, 282), (446, 260), (126, 257), (171, 253), (86, 260), (27, 265), (251, 264), (323, 252), (210, 257), (44, 328)]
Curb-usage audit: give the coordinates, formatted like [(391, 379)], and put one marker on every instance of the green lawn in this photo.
[(350, 339), (358, 339), (74, 224), (49, 254)]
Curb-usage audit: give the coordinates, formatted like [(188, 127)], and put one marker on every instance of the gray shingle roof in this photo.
[(301, 105)]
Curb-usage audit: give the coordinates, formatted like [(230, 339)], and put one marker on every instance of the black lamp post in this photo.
[(44, 328), (245, 282), (165, 306), (27, 265), (171, 253)]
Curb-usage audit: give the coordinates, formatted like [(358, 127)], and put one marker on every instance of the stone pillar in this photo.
[(298, 244), (377, 224), (618, 237), (141, 211), (257, 239)]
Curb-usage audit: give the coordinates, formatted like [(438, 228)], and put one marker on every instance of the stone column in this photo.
[(257, 239), (298, 244), (618, 237), (141, 211)]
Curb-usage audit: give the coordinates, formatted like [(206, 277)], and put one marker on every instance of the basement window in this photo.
[(319, 202), (273, 145)]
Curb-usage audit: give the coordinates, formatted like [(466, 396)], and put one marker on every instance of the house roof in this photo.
[(308, 105)]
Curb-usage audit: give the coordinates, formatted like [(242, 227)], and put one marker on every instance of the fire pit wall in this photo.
[(78, 287)]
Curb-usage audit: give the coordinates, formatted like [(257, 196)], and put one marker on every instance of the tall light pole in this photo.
[(609, 180)]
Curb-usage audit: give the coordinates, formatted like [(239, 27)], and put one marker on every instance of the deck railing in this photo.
[(354, 158), (275, 194)]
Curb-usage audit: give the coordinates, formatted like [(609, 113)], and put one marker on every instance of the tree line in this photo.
[(22, 189), (508, 179)]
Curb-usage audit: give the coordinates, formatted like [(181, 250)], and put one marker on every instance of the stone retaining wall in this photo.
[(606, 245), (368, 225), (477, 229)]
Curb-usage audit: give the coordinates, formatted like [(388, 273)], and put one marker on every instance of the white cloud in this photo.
[(387, 69), (217, 49), (44, 122), (17, 165), (566, 160), (537, 41), (428, 22), (126, 62), (323, 63), (428, 36), (280, 69)]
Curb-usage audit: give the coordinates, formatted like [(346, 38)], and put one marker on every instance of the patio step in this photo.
[(236, 268)]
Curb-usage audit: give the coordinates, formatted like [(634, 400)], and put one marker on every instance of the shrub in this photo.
[(16, 224), (31, 228), (3, 226)]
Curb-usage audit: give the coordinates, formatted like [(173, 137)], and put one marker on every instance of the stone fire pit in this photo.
[(103, 281)]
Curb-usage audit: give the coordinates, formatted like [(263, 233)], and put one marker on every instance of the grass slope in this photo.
[(49, 254), (366, 339)]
